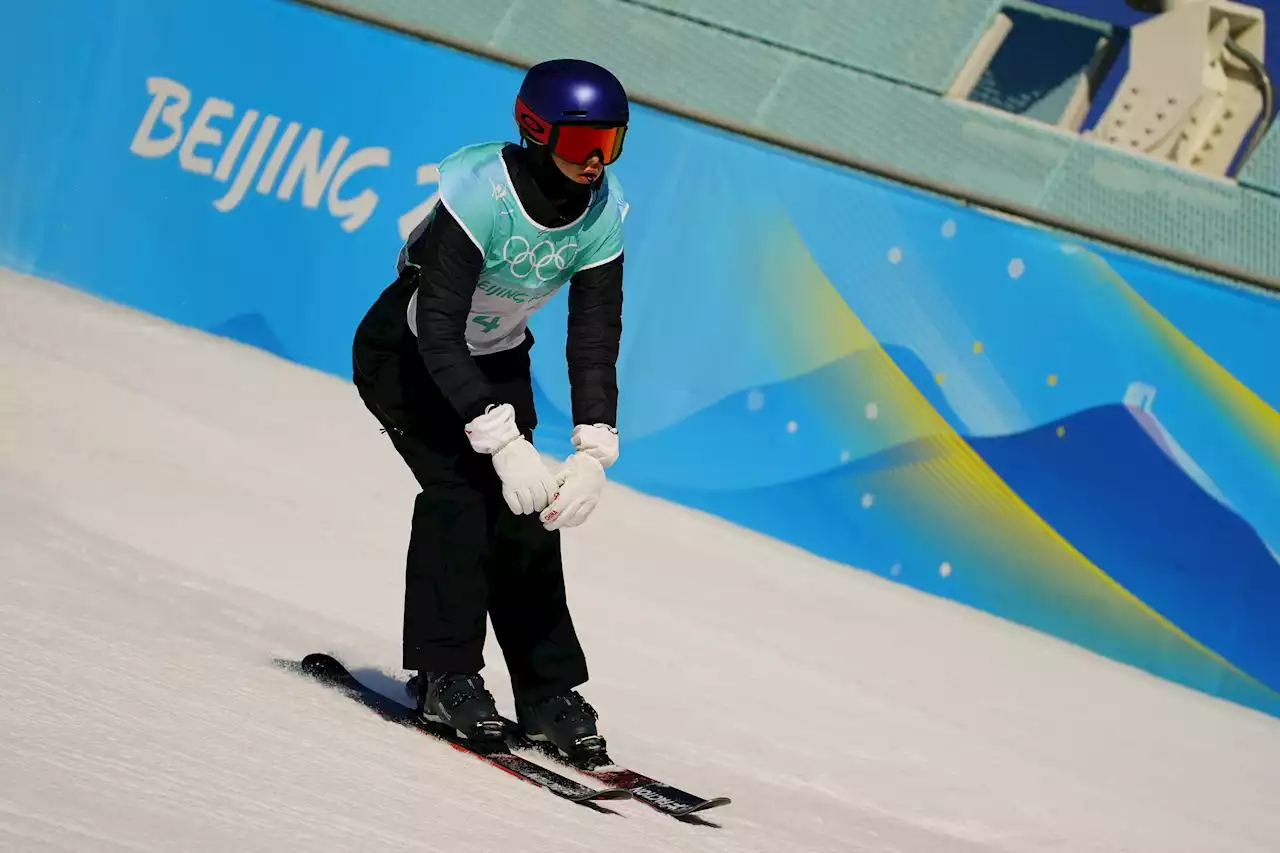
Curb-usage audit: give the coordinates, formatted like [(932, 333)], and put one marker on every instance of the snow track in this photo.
[(176, 510)]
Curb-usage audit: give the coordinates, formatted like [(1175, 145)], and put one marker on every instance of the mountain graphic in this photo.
[(769, 434), (1113, 485), (1139, 399), (251, 329), (1097, 527), (1097, 478)]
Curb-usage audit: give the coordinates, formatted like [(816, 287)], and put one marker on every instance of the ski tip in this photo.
[(705, 805), (322, 666)]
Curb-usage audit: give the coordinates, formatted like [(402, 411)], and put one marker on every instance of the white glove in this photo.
[(597, 440), (581, 480), (493, 430), (528, 486)]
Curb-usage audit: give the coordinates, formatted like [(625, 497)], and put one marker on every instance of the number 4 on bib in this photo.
[(486, 322)]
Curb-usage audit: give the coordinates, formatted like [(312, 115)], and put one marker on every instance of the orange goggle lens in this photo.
[(578, 142)]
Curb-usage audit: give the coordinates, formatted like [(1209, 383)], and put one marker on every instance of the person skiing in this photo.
[(441, 359)]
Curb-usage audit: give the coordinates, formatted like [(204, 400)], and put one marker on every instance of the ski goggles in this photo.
[(576, 143)]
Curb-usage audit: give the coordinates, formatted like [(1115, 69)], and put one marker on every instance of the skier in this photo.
[(442, 361)]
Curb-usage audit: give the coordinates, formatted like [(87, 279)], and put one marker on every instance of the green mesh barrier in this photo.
[(914, 42), (1263, 169), (914, 130), (663, 56), (796, 69), (1168, 206), (473, 20)]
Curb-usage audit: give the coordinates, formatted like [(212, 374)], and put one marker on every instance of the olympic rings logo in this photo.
[(542, 259)]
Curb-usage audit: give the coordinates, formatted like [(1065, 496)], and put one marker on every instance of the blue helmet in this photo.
[(568, 92)]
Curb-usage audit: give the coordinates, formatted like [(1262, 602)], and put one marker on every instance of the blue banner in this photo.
[(1075, 439)]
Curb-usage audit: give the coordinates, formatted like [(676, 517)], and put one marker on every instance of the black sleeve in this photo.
[(449, 266), (595, 330)]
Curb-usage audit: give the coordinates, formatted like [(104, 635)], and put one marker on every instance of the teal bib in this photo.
[(524, 263)]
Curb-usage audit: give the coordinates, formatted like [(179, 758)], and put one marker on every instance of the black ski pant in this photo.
[(469, 555)]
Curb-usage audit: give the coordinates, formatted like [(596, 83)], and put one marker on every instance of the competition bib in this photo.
[(524, 263)]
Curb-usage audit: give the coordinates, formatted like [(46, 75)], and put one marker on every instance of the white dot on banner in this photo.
[(949, 229), (792, 426), (872, 411), (895, 569), (1016, 268), (945, 570), (867, 500), (895, 255), (844, 456), (755, 400)]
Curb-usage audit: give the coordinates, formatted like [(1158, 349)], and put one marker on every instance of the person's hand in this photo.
[(581, 481), (528, 486), (527, 483), (493, 430), (597, 440)]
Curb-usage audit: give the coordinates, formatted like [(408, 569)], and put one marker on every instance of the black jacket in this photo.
[(448, 269)]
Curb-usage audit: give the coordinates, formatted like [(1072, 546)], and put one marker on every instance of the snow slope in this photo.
[(177, 509)]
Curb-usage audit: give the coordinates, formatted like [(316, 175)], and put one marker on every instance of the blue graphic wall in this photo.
[(1074, 439)]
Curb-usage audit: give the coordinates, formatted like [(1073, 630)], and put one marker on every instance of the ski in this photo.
[(329, 671), (656, 794)]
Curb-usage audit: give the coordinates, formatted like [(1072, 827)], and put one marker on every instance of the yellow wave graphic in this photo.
[(1259, 423), (966, 498)]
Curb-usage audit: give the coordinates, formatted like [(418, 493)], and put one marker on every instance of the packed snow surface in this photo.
[(176, 510)]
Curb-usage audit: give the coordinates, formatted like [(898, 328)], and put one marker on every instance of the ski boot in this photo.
[(460, 701), (567, 723)]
